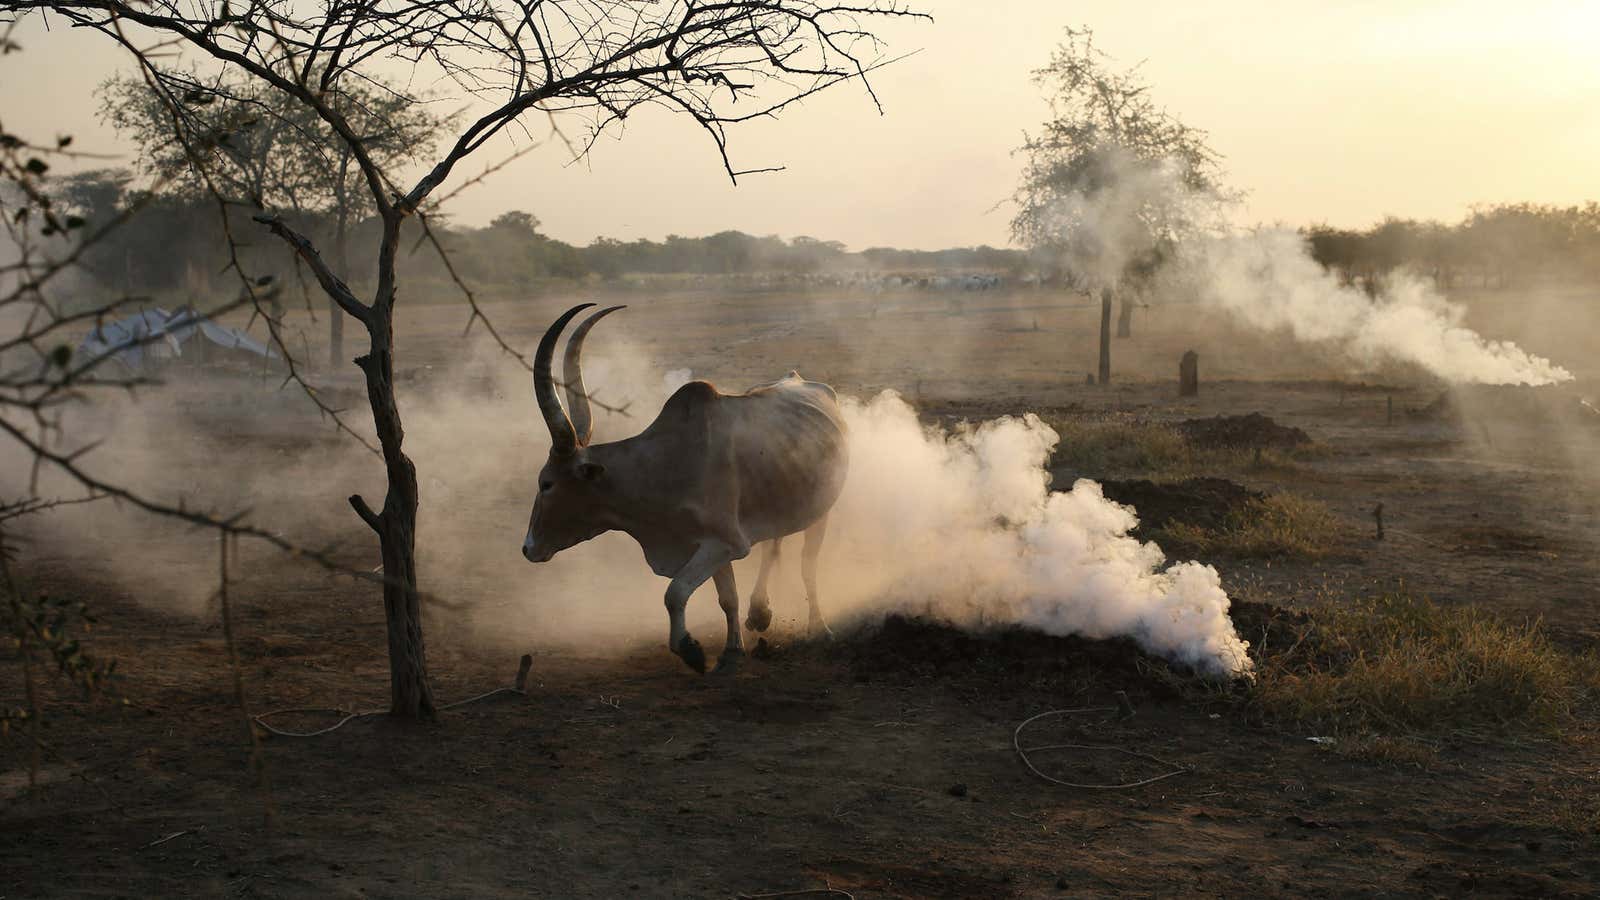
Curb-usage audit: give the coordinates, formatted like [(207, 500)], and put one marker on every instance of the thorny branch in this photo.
[(599, 61)]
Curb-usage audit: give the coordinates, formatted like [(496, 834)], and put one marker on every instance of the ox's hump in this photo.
[(689, 400), (791, 381)]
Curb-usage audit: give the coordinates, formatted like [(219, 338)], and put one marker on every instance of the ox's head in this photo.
[(572, 504)]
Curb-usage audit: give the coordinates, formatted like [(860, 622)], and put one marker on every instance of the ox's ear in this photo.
[(590, 471)]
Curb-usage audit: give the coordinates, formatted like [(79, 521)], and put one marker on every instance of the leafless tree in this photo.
[(719, 64)]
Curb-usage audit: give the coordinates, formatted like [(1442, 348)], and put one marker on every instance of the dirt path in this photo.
[(884, 771)]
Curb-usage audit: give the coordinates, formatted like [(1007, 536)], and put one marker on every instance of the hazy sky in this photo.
[(1336, 112)]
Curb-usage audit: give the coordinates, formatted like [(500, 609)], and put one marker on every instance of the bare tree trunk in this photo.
[(1105, 336), (1125, 316), (341, 259), (396, 525)]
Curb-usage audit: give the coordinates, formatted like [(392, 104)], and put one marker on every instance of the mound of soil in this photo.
[(906, 647), (1242, 432), (1201, 502), (911, 647)]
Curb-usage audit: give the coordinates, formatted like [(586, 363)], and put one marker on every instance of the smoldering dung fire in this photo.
[(1268, 279), (964, 523)]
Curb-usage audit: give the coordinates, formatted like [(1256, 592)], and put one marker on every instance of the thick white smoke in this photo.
[(1268, 279), (965, 523)]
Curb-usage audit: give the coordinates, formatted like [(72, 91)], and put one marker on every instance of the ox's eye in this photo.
[(545, 486)]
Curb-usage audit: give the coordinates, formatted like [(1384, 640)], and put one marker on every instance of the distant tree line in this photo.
[(1506, 245), (174, 245)]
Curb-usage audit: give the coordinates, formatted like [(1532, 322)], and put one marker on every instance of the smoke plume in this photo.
[(964, 523), (1268, 279), (1134, 209)]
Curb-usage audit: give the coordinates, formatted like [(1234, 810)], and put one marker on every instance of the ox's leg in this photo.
[(708, 558), (728, 599), (760, 606), (808, 572)]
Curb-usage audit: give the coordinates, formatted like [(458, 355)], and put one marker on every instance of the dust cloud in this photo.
[(961, 524)]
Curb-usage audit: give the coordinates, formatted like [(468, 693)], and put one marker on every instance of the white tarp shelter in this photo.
[(153, 335)]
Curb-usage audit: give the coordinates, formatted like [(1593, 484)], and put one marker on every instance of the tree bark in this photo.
[(1125, 317), (396, 525), (1105, 336)]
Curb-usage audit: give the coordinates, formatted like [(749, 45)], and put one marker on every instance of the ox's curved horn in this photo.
[(572, 371), (563, 439)]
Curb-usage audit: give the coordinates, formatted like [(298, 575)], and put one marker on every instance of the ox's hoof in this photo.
[(689, 651), (818, 630), (759, 618), (728, 662)]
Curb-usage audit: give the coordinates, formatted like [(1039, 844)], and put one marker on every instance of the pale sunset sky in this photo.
[(1338, 112)]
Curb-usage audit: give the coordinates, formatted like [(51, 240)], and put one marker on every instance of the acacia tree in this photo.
[(718, 63), (265, 150), (1112, 183)]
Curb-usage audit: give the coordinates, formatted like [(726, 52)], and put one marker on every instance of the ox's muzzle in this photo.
[(534, 554)]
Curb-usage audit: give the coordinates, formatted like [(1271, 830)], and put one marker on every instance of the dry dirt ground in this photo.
[(880, 764)]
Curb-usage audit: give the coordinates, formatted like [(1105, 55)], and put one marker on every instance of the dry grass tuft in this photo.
[(1389, 750), (1120, 447), (1098, 448), (1396, 665), (1275, 526)]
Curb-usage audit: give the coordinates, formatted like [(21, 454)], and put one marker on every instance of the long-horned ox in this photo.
[(714, 475)]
